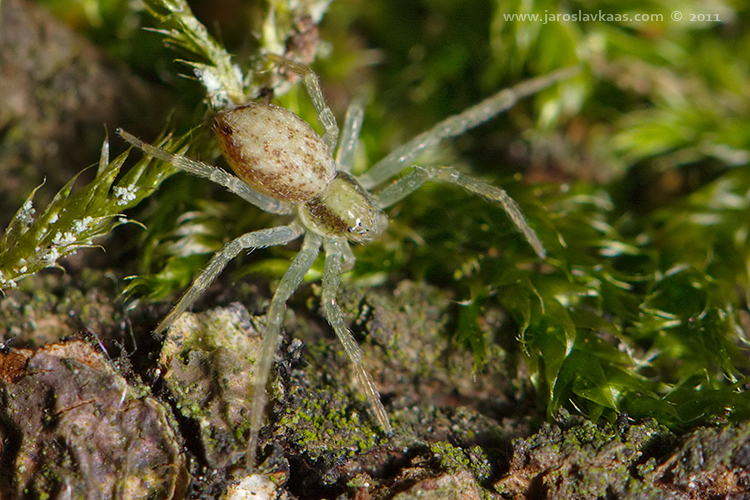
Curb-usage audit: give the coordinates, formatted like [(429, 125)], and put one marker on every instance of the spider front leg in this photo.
[(335, 254), (456, 125), (258, 239), (289, 283), (413, 180)]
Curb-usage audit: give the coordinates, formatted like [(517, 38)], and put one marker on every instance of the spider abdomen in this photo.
[(275, 151)]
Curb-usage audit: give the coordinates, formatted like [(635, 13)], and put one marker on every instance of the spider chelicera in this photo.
[(283, 166)]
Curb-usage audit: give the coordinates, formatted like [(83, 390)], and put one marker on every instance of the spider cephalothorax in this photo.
[(283, 165)]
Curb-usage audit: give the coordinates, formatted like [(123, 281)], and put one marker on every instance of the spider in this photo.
[(283, 166)]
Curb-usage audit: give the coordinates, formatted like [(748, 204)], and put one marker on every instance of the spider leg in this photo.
[(257, 239), (331, 281), (213, 174), (355, 115), (312, 84), (457, 125), (289, 283), (414, 179)]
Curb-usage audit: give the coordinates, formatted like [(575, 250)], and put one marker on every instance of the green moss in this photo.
[(73, 220), (455, 460), (577, 458), (321, 425)]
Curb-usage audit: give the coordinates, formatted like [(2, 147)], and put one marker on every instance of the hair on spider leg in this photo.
[(281, 165)]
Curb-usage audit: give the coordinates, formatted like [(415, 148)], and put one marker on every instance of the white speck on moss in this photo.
[(214, 86), (82, 225), (51, 257), (26, 214), (211, 81), (125, 195), (64, 239), (7, 282)]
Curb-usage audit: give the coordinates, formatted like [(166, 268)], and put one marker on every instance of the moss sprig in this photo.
[(75, 219), (226, 82), (212, 64)]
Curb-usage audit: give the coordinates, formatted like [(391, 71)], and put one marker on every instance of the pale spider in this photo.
[(283, 166)]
